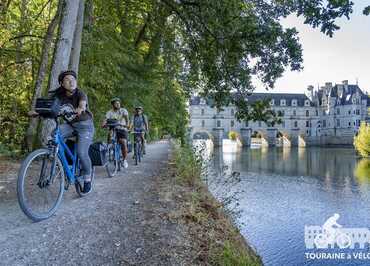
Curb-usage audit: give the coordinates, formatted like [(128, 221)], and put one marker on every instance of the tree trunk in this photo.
[(76, 46), (19, 41), (89, 14), (48, 39), (64, 44)]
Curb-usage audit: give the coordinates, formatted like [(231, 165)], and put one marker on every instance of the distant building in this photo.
[(329, 115)]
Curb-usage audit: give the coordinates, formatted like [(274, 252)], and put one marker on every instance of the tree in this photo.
[(76, 46), (362, 140), (47, 43), (65, 39)]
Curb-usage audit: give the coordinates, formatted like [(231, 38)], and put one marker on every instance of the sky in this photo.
[(345, 56)]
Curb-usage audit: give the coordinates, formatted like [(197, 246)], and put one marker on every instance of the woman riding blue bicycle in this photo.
[(82, 125)]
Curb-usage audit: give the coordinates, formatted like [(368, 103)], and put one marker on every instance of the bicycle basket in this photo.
[(98, 153), (47, 108)]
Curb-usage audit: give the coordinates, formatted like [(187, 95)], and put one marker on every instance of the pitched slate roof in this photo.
[(300, 97), (346, 97)]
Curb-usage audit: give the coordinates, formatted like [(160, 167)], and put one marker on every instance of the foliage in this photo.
[(362, 170), (158, 53), (233, 135), (362, 140), (188, 164)]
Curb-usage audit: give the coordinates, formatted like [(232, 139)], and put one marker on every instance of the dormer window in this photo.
[(307, 103), (294, 102), (282, 102), (202, 101), (272, 102)]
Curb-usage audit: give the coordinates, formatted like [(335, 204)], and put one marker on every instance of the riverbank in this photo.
[(143, 216), (218, 239)]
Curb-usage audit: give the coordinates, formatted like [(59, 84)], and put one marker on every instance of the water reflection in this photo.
[(362, 171), (285, 189)]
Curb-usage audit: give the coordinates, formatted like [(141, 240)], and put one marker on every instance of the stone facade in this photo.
[(329, 115)]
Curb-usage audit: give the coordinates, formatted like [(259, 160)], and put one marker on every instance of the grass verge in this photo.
[(217, 239)]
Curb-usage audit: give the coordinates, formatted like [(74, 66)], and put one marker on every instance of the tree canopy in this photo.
[(158, 53)]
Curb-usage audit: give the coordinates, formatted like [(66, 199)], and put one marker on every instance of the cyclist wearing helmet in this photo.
[(120, 114), (82, 124), (139, 123)]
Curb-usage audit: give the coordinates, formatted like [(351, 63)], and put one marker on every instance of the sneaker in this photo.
[(87, 187), (125, 164)]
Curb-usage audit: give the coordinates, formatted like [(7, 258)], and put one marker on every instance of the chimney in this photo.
[(345, 83), (325, 90), (310, 92), (328, 85), (340, 90)]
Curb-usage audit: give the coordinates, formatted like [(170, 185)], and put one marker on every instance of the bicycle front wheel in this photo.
[(40, 185), (112, 164)]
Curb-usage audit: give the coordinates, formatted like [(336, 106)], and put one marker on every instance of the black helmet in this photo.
[(115, 99), (65, 73)]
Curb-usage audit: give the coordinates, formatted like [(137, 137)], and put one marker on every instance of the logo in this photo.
[(333, 235)]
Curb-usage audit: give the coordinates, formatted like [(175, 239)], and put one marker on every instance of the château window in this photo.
[(294, 112), (232, 123), (307, 103), (202, 111), (272, 102), (317, 113), (307, 123), (294, 102), (232, 111), (282, 102), (246, 124), (338, 111), (324, 123), (218, 123), (307, 113), (203, 123), (295, 123), (338, 123)]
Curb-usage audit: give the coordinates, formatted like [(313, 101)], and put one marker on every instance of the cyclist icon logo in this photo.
[(332, 234)]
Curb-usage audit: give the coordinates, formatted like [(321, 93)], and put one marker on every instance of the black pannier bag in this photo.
[(47, 107), (98, 153)]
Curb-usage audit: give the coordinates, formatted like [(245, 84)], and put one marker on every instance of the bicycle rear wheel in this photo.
[(112, 164), (40, 185)]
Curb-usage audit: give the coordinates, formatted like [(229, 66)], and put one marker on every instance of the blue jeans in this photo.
[(85, 133)]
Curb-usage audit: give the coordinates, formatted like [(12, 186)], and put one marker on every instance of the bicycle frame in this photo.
[(63, 149), (116, 144)]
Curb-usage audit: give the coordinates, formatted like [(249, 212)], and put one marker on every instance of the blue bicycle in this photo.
[(46, 173), (115, 158), (138, 146)]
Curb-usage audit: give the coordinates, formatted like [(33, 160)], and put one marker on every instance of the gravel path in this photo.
[(121, 223)]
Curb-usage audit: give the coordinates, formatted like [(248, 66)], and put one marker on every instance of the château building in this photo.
[(329, 115)]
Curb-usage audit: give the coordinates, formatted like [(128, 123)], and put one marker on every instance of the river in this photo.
[(281, 190)]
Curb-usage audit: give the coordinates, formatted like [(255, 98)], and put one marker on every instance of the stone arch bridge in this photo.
[(270, 135)]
